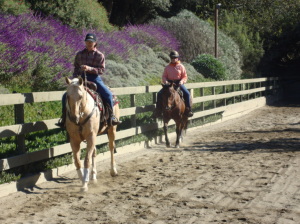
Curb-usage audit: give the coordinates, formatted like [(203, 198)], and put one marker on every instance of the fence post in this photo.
[(224, 91), (202, 107), (214, 93), (233, 90), (19, 119), (132, 104), (241, 89)]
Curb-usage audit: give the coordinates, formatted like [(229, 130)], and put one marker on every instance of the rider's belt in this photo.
[(87, 73)]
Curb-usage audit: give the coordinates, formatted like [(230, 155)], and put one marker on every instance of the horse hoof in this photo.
[(84, 189), (113, 173), (94, 181)]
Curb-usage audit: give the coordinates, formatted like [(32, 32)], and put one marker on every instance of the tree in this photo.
[(123, 12)]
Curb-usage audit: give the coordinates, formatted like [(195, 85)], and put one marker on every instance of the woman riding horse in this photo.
[(174, 72)]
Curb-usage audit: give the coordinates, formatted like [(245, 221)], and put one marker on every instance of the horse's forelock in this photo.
[(75, 81)]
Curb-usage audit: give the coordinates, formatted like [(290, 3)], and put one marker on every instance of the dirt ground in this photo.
[(244, 170)]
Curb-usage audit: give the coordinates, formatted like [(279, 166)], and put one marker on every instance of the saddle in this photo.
[(104, 108), (177, 88)]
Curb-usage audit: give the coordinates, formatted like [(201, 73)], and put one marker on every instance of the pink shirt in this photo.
[(174, 72)]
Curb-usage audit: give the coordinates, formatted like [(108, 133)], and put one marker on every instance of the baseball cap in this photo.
[(90, 37)]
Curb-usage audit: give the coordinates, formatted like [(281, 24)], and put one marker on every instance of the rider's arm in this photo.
[(183, 75), (98, 65), (165, 76)]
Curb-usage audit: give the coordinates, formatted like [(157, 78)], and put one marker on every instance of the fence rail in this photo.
[(260, 87)]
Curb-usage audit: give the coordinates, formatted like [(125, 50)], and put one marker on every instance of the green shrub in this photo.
[(15, 7), (6, 177), (195, 36), (147, 69), (250, 44), (76, 13), (209, 66)]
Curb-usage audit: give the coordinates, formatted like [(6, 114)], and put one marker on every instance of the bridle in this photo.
[(81, 113), (173, 105)]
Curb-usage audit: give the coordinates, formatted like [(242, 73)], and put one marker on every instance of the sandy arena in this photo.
[(244, 170)]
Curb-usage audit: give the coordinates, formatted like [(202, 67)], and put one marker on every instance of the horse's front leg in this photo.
[(87, 161), (112, 147), (166, 134), (178, 136), (75, 145), (179, 127)]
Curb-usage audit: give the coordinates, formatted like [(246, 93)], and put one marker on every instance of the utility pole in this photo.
[(218, 6)]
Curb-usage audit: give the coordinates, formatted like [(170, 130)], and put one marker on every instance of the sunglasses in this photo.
[(173, 57)]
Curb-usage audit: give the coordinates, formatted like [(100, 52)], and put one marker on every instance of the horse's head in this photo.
[(168, 95), (76, 99)]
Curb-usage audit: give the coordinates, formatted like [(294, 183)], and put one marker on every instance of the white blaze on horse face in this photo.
[(75, 81), (75, 96)]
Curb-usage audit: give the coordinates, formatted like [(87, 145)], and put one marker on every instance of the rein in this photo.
[(72, 119), (173, 106)]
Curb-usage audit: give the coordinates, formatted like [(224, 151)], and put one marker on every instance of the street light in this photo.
[(218, 6)]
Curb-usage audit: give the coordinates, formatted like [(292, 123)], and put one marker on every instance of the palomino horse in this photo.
[(173, 107), (82, 123)]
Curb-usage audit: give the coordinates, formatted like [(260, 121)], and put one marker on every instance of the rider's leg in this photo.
[(107, 96), (158, 109), (62, 120), (186, 96)]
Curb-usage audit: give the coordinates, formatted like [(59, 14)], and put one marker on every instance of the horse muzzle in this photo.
[(74, 119)]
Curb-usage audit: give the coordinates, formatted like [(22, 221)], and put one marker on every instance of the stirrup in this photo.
[(157, 114), (190, 113), (114, 121), (60, 123)]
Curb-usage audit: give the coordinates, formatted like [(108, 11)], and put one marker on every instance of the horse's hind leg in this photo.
[(112, 147), (94, 170)]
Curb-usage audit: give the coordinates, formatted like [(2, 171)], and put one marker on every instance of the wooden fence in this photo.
[(236, 90)]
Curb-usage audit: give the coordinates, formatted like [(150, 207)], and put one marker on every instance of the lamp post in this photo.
[(218, 6)]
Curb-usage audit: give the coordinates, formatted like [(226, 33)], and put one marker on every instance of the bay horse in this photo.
[(173, 107), (83, 123)]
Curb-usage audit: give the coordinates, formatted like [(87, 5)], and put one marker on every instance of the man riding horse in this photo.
[(90, 64), (174, 72)]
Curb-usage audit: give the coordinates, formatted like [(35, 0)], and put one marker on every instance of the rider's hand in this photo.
[(86, 68), (180, 83), (167, 83)]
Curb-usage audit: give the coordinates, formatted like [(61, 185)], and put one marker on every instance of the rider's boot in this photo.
[(157, 113), (62, 121), (112, 119), (188, 112)]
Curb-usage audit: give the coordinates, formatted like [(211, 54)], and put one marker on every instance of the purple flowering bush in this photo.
[(42, 50)]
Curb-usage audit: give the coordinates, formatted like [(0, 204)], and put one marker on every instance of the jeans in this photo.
[(102, 89), (186, 95)]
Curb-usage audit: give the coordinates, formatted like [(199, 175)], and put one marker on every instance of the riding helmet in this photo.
[(174, 54)]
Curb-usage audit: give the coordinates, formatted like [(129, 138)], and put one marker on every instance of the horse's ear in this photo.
[(68, 81), (80, 81)]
